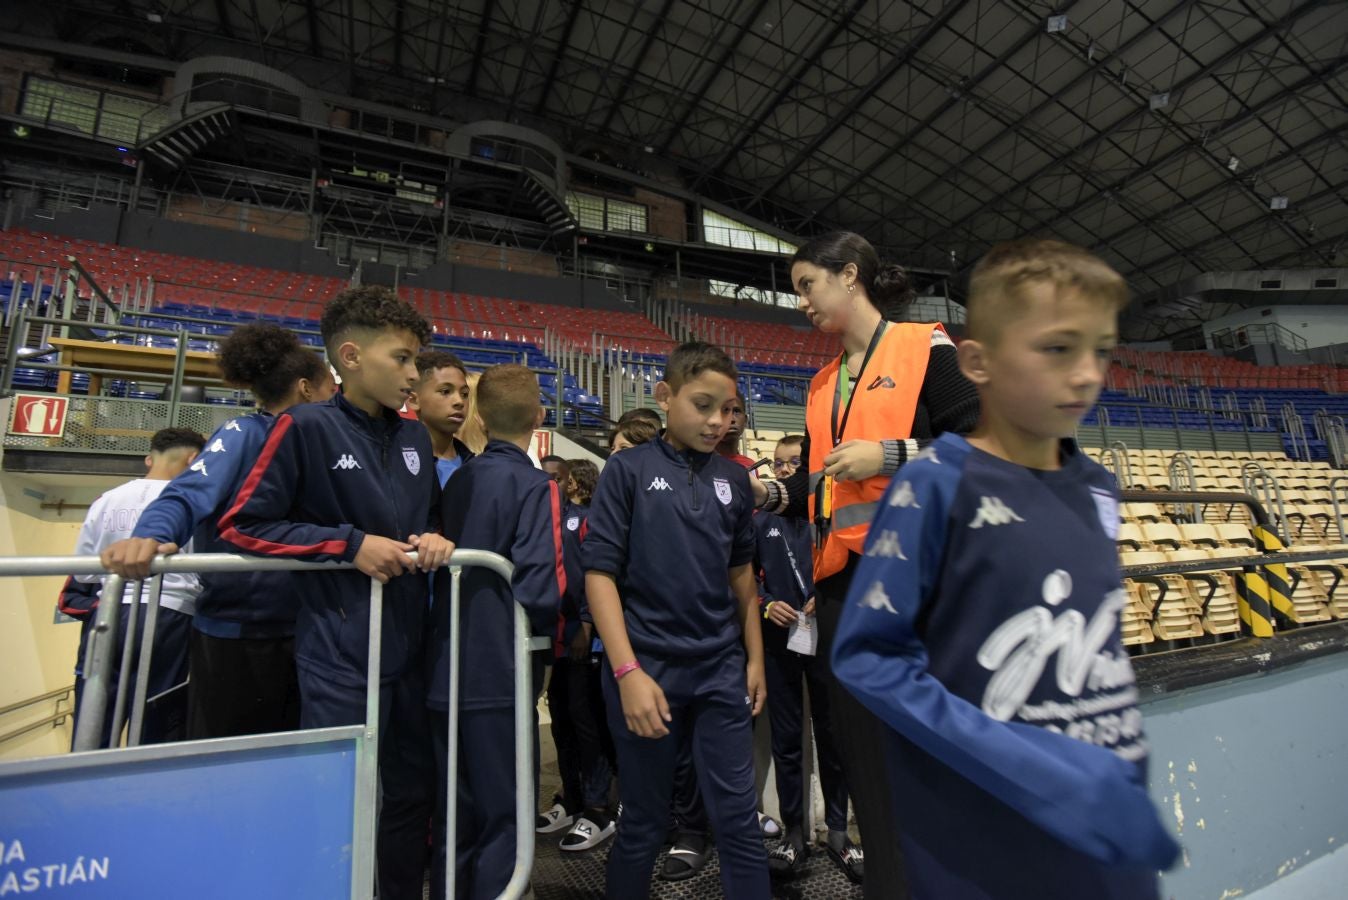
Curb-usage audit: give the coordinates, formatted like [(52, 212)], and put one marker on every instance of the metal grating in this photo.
[(111, 425)]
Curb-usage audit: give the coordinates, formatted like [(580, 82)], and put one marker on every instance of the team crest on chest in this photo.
[(722, 491), (413, 460), (573, 523)]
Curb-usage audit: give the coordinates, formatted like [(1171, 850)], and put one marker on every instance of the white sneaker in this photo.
[(586, 834), (554, 819), (769, 826)]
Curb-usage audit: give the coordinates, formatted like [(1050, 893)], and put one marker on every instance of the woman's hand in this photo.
[(855, 460)]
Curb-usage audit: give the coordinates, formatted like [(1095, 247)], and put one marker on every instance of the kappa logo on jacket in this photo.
[(886, 543), (658, 483), (877, 599), (346, 461), (903, 496), (200, 466), (774, 531), (881, 381), (217, 446), (232, 425), (992, 511)]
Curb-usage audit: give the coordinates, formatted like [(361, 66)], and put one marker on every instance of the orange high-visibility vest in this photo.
[(884, 401)]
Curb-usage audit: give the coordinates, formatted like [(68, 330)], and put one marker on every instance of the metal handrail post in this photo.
[(98, 667), (367, 767), (124, 671), (133, 734), (524, 760), (18, 336), (452, 739), (179, 365)]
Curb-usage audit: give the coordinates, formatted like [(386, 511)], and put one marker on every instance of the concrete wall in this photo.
[(1251, 774), (36, 654)]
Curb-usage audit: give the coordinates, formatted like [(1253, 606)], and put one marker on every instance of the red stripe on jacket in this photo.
[(228, 531)]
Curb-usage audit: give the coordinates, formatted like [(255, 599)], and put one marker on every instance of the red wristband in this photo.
[(625, 669)]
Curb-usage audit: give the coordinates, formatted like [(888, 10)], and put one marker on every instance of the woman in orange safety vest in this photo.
[(894, 388)]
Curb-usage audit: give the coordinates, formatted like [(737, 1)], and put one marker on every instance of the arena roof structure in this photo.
[(1176, 137)]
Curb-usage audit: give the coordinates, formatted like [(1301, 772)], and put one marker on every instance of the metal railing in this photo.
[(1257, 563), (60, 695), (98, 686), (1295, 427), (1261, 483)]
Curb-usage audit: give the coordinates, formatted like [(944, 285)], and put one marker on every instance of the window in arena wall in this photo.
[(602, 214), (723, 230), (756, 295), (623, 216)]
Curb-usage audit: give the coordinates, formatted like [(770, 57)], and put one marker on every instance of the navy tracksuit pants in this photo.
[(786, 672), (165, 719), (707, 699), (406, 773)]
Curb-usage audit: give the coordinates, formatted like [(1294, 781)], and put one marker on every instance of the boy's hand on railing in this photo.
[(644, 705), (383, 558), (433, 550), (131, 557)]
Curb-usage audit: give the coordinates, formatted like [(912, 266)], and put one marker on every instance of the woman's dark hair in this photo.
[(267, 360), (885, 283)]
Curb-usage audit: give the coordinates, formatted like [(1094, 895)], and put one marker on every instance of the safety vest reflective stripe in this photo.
[(854, 514)]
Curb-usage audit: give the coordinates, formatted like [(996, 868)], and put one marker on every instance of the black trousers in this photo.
[(241, 686), (788, 675), (860, 739)]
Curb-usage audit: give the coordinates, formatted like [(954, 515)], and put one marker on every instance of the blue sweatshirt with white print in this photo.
[(498, 502), (233, 604), (667, 525), (328, 475), (983, 627)]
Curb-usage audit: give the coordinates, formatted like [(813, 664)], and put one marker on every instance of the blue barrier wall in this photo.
[(1252, 775), (272, 821)]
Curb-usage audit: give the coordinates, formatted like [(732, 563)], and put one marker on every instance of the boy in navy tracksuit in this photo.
[(242, 647), (670, 585), (786, 590), (982, 625), (350, 480), (497, 502), (441, 403)]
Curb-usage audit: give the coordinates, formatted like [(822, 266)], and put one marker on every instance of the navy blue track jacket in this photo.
[(783, 577), (233, 604), (497, 501), (667, 525), (328, 475), (575, 525)]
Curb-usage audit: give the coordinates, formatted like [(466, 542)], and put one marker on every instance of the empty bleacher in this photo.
[(1172, 611)]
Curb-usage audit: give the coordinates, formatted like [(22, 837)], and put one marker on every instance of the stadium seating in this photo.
[(1170, 611)]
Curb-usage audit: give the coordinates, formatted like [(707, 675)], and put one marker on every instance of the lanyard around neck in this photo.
[(843, 395)]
